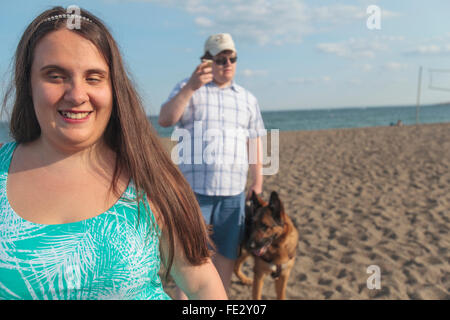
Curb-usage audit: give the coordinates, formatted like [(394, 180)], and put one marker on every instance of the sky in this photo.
[(293, 54)]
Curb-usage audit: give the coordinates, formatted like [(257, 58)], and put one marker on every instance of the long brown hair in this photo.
[(129, 134)]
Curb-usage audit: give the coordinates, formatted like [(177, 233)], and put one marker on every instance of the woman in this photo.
[(90, 201)]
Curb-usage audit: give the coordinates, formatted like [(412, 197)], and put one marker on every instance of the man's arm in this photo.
[(254, 145), (173, 109)]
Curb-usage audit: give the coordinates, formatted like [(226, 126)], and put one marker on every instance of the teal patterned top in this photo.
[(109, 256)]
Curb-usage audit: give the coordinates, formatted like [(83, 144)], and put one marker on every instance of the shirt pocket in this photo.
[(198, 107), (243, 117)]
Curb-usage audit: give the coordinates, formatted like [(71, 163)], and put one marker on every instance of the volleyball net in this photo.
[(439, 79)]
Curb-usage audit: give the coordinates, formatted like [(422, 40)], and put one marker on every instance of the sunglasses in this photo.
[(223, 60)]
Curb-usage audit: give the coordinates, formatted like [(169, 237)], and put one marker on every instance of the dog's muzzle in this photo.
[(260, 248)]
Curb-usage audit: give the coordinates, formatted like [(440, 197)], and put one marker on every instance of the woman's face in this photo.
[(71, 89)]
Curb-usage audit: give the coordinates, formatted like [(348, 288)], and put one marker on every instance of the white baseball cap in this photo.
[(218, 43)]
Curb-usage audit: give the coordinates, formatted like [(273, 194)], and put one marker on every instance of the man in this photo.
[(224, 119)]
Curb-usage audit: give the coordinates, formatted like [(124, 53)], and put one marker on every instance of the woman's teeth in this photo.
[(71, 115)]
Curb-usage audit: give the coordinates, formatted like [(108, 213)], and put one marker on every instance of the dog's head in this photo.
[(266, 223)]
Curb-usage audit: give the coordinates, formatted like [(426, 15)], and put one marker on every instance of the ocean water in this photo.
[(343, 118), (328, 118)]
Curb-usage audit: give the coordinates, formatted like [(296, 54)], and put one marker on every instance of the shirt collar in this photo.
[(233, 85)]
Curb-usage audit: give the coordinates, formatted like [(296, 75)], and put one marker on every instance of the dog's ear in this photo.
[(249, 209), (276, 207), (256, 201)]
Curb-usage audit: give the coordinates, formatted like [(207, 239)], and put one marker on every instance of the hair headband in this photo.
[(66, 16)]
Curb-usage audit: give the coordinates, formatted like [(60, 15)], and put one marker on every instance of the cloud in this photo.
[(390, 38), (309, 81), (339, 49), (359, 48), (337, 13), (440, 38), (249, 73), (434, 45), (299, 81), (340, 13), (261, 21), (430, 49), (390, 66), (366, 67), (268, 22), (353, 48), (395, 66), (204, 22)]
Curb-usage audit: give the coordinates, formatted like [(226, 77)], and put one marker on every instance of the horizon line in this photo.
[(347, 107)]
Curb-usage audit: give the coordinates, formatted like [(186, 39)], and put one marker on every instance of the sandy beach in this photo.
[(361, 197)]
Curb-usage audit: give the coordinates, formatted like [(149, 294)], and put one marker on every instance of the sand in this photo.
[(360, 197)]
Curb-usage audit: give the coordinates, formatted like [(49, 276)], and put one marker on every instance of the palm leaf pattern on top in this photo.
[(110, 256)]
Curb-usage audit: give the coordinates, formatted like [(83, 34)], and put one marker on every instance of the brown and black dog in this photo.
[(272, 239)]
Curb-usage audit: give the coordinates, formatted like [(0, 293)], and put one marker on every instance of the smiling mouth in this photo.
[(74, 115)]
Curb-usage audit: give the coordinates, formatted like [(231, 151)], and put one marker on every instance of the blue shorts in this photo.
[(226, 214)]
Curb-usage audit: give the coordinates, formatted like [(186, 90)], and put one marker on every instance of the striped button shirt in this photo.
[(212, 138)]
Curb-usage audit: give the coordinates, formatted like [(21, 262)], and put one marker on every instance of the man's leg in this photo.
[(228, 221), (227, 217)]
